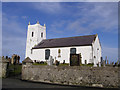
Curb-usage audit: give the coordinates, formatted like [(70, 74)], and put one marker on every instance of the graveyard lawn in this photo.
[(65, 64), (39, 64)]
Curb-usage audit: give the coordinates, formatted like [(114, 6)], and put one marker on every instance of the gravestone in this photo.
[(99, 64), (104, 64), (63, 61), (107, 62), (112, 63), (117, 63), (95, 64), (50, 61), (57, 62), (80, 58), (27, 61)]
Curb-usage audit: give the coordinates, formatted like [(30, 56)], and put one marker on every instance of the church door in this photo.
[(74, 60)]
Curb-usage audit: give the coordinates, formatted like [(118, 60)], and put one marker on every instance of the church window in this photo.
[(32, 34), (47, 54), (41, 34), (73, 51), (59, 51)]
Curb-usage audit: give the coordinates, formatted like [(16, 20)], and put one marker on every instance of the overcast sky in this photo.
[(62, 20)]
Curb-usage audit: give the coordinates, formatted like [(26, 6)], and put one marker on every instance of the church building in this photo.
[(38, 48)]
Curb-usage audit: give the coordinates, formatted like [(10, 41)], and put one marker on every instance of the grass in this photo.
[(14, 69), (66, 64), (90, 65), (39, 64)]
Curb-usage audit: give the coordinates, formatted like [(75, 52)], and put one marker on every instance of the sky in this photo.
[(62, 19)]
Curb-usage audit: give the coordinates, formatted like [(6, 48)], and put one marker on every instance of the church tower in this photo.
[(35, 34)]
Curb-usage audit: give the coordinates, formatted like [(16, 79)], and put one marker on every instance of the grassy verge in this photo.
[(66, 64), (90, 65), (39, 64)]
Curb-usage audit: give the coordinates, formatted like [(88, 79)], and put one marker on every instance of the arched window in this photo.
[(41, 34), (73, 51), (59, 51), (47, 54), (32, 34)]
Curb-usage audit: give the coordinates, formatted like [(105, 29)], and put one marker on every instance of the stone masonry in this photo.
[(75, 75), (3, 67)]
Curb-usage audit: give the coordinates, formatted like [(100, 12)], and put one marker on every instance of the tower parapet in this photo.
[(35, 34)]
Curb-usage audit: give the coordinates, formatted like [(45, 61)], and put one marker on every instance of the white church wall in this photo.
[(97, 50), (37, 29), (87, 52), (39, 54)]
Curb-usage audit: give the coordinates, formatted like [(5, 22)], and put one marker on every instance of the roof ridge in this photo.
[(71, 37)]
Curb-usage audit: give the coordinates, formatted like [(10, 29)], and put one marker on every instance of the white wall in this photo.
[(39, 54), (32, 41), (97, 50)]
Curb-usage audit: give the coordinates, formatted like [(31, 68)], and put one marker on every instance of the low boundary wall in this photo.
[(74, 75)]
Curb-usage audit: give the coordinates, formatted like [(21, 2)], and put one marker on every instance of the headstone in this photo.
[(80, 59), (99, 64), (104, 63), (107, 62), (63, 61), (117, 62), (50, 61), (112, 63), (27, 61), (57, 62), (95, 64)]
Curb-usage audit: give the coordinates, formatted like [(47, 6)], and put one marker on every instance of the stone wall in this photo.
[(3, 70), (75, 75)]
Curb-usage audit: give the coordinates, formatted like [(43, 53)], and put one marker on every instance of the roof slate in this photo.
[(66, 42)]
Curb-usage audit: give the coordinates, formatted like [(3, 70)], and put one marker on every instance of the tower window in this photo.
[(32, 34), (41, 34)]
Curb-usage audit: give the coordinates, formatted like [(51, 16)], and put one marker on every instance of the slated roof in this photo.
[(65, 42)]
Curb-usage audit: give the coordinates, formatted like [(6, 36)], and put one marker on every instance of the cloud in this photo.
[(13, 36), (96, 16), (47, 7), (91, 17), (111, 53), (60, 0)]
